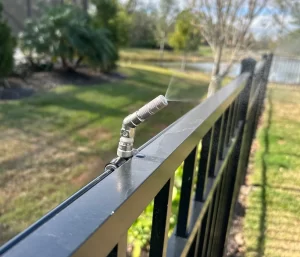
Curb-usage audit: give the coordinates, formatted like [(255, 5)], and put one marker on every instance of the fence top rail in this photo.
[(103, 212)]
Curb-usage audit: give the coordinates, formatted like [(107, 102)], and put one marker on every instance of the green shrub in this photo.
[(112, 16), (66, 33), (7, 44), (185, 36), (139, 233)]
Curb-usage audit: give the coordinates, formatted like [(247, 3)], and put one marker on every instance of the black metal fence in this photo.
[(94, 221)]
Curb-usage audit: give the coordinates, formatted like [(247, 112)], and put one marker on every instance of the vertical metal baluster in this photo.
[(225, 213), (233, 125), (197, 240), (217, 243), (232, 193), (229, 124), (214, 147), (120, 250), (226, 132), (201, 235), (185, 203), (161, 220), (202, 170), (238, 113), (215, 218), (203, 231), (208, 226), (222, 137), (191, 252), (114, 252)]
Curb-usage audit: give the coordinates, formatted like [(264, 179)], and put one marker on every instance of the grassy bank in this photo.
[(272, 222), (153, 55), (54, 143)]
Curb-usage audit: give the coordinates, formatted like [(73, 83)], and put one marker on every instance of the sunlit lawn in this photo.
[(153, 55), (54, 143), (272, 223)]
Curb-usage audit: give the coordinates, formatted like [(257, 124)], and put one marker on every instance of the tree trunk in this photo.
[(64, 62), (29, 9), (78, 62), (85, 4), (162, 49), (183, 61), (215, 83)]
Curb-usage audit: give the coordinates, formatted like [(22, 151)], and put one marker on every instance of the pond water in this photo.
[(204, 67), (284, 70)]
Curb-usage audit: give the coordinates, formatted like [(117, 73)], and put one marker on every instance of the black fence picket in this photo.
[(94, 222)]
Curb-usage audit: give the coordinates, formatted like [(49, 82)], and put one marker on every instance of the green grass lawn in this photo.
[(204, 54), (272, 222), (54, 143), (153, 55)]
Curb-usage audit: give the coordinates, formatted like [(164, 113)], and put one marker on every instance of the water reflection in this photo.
[(284, 70)]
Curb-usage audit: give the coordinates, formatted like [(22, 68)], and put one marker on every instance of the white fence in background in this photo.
[(285, 70)]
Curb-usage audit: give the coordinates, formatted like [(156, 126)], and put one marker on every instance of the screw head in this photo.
[(124, 133), (140, 155)]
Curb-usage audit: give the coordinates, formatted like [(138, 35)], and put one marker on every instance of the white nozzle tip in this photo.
[(163, 100)]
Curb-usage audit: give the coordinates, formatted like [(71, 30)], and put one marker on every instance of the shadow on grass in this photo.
[(65, 136), (114, 100), (262, 219)]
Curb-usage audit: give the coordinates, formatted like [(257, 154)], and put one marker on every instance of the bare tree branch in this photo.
[(226, 23)]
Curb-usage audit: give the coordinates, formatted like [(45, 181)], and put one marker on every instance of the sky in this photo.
[(263, 25)]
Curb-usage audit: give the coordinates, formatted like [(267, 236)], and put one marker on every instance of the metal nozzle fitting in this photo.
[(146, 111), (125, 148)]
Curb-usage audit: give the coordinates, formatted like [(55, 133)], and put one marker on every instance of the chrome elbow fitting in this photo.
[(125, 148)]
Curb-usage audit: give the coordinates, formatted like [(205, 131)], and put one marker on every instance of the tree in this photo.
[(29, 8), (112, 16), (142, 29), (220, 18), (287, 16), (7, 43), (185, 36), (166, 15), (130, 6), (284, 9), (85, 4), (65, 32)]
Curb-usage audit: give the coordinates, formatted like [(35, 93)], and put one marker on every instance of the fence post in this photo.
[(263, 81), (236, 172)]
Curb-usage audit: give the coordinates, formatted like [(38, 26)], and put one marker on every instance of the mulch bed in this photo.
[(44, 81), (236, 246)]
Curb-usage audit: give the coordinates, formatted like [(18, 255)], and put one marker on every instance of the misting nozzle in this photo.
[(125, 148)]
